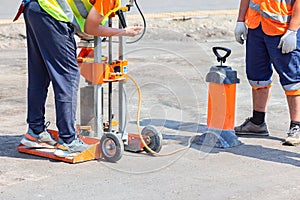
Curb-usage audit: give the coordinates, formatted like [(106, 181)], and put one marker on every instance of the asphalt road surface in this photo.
[(170, 64)]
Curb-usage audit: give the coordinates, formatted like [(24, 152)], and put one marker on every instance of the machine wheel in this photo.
[(155, 139), (111, 147)]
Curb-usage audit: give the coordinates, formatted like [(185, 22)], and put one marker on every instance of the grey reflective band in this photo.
[(81, 8), (291, 87), (260, 83), (69, 13), (254, 6), (273, 16), (66, 8), (287, 2), (279, 18)]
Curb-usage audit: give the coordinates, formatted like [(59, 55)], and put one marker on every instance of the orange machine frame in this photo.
[(99, 73), (92, 153)]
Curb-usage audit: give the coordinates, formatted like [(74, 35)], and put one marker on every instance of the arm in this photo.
[(240, 31), (93, 27), (295, 21), (244, 4)]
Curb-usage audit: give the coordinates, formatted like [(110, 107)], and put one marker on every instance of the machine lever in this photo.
[(121, 18)]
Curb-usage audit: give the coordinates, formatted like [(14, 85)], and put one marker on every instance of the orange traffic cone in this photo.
[(221, 104)]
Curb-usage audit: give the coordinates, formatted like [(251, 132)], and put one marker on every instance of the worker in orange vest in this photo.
[(270, 29), (50, 28)]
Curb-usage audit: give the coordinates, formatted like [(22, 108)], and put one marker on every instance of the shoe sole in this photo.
[(32, 144), (252, 133), (64, 154)]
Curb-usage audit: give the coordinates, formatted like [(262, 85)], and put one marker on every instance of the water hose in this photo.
[(144, 25), (139, 129)]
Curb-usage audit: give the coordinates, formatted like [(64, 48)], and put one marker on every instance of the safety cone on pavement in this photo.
[(221, 104)]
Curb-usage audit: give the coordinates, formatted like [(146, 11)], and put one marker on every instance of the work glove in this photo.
[(288, 42), (240, 32)]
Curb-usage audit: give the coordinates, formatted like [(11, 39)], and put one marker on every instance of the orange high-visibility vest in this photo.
[(273, 15)]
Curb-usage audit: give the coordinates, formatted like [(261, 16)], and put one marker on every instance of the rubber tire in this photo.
[(118, 144), (155, 139)]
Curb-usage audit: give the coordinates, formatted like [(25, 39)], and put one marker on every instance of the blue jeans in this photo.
[(51, 58)]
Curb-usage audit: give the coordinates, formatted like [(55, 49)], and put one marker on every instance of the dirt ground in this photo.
[(170, 64)]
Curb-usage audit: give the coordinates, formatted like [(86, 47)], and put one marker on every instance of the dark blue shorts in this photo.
[(262, 55)]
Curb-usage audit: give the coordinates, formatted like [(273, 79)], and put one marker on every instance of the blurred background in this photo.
[(9, 8)]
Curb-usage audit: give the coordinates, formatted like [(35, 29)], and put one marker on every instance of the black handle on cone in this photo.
[(220, 58)]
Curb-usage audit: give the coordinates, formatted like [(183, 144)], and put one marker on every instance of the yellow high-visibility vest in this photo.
[(73, 11)]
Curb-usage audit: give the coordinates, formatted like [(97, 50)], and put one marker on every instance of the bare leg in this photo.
[(294, 107), (260, 99)]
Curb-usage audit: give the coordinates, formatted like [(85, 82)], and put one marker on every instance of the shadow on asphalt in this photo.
[(9, 144), (9, 148), (251, 151)]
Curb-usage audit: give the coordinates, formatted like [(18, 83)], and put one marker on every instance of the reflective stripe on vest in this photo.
[(273, 16), (76, 11), (279, 18), (73, 11), (53, 9), (287, 2), (254, 6)]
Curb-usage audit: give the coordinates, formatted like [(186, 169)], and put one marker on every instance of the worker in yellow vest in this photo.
[(50, 28), (270, 28)]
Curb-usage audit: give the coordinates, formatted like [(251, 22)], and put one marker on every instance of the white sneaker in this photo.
[(41, 140), (72, 149)]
